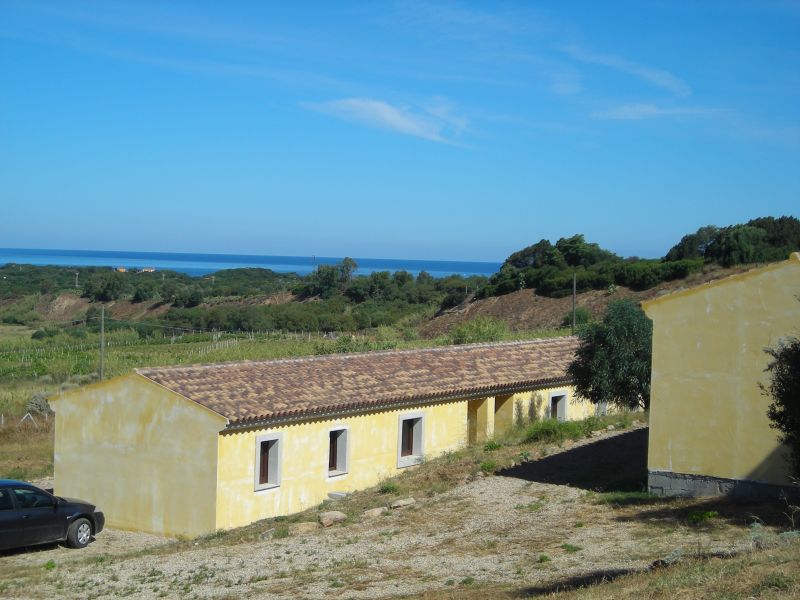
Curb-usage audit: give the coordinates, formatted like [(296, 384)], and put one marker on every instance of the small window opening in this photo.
[(337, 452)]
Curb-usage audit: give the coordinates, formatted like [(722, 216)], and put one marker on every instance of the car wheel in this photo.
[(79, 533)]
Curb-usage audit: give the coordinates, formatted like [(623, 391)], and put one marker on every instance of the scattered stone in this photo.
[(402, 503), (480, 474), (512, 465), (610, 428), (330, 517), (305, 527), (337, 495), (266, 535), (596, 433), (374, 512)]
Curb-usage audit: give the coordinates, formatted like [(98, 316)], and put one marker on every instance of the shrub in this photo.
[(554, 431), (481, 329), (701, 516), (43, 334), (784, 389), (488, 466), (38, 404), (582, 317), (543, 558), (388, 487), (491, 445)]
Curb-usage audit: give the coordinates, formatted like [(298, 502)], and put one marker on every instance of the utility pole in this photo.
[(76, 279), (102, 340), (574, 289)]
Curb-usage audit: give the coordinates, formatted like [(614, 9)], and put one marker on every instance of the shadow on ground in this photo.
[(573, 583), (613, 464), (731, 511)]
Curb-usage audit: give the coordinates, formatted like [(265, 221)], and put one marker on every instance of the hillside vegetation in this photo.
[(549, 268)]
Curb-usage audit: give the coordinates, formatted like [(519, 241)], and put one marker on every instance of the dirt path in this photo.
[(511, 530)]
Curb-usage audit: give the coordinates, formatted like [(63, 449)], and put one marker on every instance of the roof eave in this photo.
[(332, 413)]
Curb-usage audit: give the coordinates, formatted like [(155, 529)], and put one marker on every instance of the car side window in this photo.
[(28, 498), (5, 500)]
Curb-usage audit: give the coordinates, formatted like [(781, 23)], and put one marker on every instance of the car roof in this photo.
[(5, 482)]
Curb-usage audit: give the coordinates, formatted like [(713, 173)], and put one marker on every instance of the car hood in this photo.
[(76, 501)]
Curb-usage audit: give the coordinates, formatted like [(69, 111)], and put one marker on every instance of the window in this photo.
[(268, 461), (337, 452), (558, 406), (409, 440), (5, 500), (28, 498)]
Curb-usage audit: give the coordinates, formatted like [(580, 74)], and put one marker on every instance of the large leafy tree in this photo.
[(612, 362), (784, 389)]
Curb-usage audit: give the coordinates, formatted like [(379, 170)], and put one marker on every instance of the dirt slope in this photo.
[(525, 311)]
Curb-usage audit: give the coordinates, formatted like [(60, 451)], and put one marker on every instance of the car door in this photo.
[(11, 527), (42, 522)]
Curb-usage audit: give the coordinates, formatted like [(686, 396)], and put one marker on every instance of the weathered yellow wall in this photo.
[(496, 415), (145, 456), (304, 483), (707, 413), (529, 406)]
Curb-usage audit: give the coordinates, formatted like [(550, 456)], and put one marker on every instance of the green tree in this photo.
[(612, 362), (105, 286), (784, 389), (346, 268), (740, 244), (693, 245)]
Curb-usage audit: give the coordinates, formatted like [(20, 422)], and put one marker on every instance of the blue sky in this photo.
[(447, 130)]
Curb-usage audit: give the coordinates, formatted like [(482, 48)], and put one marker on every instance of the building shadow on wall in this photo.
[(618, 463)]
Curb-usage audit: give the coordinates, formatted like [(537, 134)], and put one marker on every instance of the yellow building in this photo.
[(709, 431), (188, 450)]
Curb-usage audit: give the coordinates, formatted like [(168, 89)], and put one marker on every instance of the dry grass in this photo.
[(770, 573), (26, 452)]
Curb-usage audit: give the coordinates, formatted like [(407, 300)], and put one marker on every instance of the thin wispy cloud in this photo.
[(657, 77), (638, 112), (434, 123)]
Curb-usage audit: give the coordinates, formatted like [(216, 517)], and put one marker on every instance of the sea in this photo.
[(203, 264)]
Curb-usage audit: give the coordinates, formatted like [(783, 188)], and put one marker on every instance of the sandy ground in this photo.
[(509, 529)]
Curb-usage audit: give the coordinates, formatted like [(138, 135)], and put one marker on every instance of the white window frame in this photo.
[(558, 394), (342, 458), (276, 461), (418, 450)]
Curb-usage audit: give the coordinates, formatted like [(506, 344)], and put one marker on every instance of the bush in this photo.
[(491, 445), (388, 487), (43, 334), (38, 404), (482, 329), (582, 317), (488, 466), (784, 389), (554, 431)]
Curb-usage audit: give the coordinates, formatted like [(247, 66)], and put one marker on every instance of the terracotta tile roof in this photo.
[(245, 392)]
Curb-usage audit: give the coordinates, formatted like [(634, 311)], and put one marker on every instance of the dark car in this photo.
[(30, 516)]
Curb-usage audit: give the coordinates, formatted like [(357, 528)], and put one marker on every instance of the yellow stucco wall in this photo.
[(145, 456), (528, 406), (372, 440), (496, 415), (707, 413)]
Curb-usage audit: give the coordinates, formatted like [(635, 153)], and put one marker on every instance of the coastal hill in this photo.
[(529, 292)]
